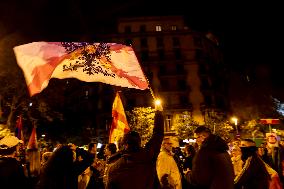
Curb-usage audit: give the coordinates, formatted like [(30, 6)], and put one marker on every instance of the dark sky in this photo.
[(238, 24), (250, 32)]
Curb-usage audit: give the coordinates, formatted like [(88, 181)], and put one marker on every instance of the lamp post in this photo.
[(158, 105), (235, 120)]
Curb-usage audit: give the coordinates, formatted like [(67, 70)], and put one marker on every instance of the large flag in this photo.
[(110, 63), (19, 128), (119, 124), (33, 140)]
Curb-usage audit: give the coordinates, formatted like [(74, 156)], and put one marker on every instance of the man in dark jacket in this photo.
[(254, 173), (212, 167), (136, 166)]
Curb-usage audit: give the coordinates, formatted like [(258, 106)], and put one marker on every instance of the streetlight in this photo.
[(158, 104), (235, 120)]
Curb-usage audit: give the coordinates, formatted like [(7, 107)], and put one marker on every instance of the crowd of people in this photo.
[(210, 163)]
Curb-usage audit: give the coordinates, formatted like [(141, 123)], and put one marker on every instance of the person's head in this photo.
[(261, 149), (190, 150), (60, 161), (92, 148), (237, 142), (131, 141), (167, 144), (9, 145), (248, 148), (110, 149), (72, 146), (247, 143), (236, 151), (272, 140), (281, 142), (201, 133)]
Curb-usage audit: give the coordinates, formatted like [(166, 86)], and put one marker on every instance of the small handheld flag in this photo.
[(33, 140), (19, 128), (119, 124)]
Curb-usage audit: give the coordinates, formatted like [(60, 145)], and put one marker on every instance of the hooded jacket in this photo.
[(212, 166), (137, 169)]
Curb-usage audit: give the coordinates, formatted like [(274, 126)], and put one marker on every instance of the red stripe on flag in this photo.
[(19, 128), (119, 124), (33, 140)]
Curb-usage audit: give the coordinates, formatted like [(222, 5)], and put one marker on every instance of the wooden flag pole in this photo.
[(149, 86)]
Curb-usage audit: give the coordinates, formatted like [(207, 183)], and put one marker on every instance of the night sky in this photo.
[(250, 34)]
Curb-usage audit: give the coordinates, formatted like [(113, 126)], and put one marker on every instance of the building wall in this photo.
[(184, 67)]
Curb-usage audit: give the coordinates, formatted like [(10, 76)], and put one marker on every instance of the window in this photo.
[(208, 100), (168, 123), (127, 29), (149, 75), (160, 42), (162, 69), (180, 68), (164, 84), (220, 102), (158, 28), (144, 55), (197, 41), (202, 69), (181, 84), (183, 100), (176, 42), (128, 42), (131, 102), (177, 54), (161, 54), (205, 83), (143, 28), (173, 28), (144, 42), (198, 54)]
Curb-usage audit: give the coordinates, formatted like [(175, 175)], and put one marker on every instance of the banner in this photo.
[(109, 63)]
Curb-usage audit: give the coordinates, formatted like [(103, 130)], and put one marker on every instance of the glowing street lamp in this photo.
[(235, 120), (158, 104)]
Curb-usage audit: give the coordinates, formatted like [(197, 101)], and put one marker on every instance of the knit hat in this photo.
[(10, 141)]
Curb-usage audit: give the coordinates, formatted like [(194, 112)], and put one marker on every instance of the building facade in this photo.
[(185, 68)]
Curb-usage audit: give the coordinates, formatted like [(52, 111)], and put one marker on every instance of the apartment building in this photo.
[(185, 68)]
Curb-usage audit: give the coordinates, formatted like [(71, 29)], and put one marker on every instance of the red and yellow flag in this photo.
[(119, 124), (33, 140), (19, 128)]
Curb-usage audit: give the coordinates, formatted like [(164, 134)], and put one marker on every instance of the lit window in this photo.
[(174, 28), (158, 28), (168, 123)]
